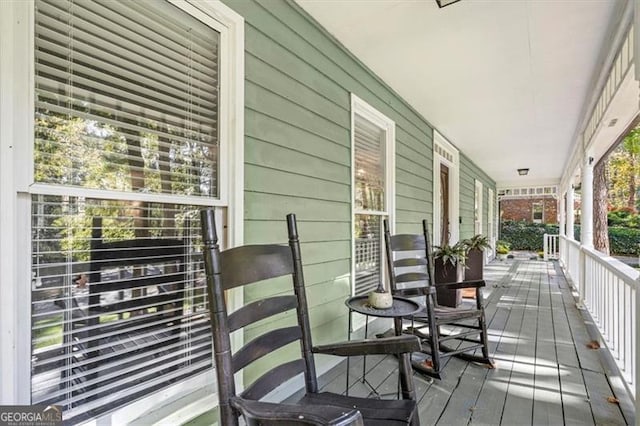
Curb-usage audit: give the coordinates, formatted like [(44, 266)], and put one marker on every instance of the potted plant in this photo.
[(448, 264), (502, 249), (475, 256)]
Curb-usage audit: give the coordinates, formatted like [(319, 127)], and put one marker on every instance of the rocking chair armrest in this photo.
[(462, 284), (387, 345), (267, 413)]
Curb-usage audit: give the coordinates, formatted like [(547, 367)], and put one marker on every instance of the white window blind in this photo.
[(126, 97), (369, 198), (126, 100), (478, 208), (118, 301), (369, 165)]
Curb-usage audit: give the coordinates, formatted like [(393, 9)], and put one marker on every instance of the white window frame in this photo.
[(17, 88), (491, 223), (363, 109), (533, 212), (478, 205), (452, 161)]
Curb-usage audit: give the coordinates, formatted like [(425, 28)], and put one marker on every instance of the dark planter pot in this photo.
[(446, 273), (475, 265)]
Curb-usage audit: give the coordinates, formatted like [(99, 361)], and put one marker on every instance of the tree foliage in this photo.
[(75, 151), (624, 169)]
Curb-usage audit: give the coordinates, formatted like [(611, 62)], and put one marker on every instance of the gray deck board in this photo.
[(544, 374), (434, 402), (577, 410), (547, 408), (598, 391), (520, 391), (490, 403)]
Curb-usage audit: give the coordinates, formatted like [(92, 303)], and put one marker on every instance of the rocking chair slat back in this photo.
[(409, 261), (410, 292), (409, 277), (405, 242), (263, 345), (250, 264), (261, 387), (260, 310)]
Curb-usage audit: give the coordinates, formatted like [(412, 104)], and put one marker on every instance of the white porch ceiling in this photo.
[(505, 81)]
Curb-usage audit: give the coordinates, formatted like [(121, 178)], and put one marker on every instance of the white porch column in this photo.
[(562, 220), (586, 223), (570, 213), (562, 214)]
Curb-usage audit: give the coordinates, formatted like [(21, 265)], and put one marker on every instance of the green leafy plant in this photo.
[(453, 254), (478, 241), (623, 217), (502, 247), (526, 236), (624, 241)]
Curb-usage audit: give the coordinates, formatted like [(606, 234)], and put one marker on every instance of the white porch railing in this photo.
[(610, 296), (609, 290), (551, 246), (570, 258)]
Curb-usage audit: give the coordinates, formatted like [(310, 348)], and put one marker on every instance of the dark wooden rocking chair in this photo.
[(254, 263), (468, 322)]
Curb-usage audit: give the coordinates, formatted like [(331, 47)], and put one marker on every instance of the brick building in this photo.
[(538, 205)]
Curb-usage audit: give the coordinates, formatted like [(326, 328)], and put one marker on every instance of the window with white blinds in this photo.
[(373, 193), (126, 97), (126, 100), (119, 307), (477, 208), (369, 159)]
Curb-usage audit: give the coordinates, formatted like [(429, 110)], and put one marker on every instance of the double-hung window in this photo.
[(132, 137), (537, 212), (373, 143), (478, 208)]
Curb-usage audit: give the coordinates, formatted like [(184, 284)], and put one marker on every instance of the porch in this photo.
[(545, 372), (289, 106)]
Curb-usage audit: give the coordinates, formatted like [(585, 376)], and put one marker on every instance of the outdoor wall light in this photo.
[(523, 172), (443, 3)]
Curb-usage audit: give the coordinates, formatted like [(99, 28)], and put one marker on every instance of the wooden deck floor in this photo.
[(545, 375)]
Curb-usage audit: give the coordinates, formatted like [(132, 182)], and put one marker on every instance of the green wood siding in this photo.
[(469, 172), (298, 154)]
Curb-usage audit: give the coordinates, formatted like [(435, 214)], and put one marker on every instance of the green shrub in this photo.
[(530, 236), (526, 236), (624, 241), (623, 217)]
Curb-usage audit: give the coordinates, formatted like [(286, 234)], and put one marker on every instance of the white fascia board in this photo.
[(512, 184)]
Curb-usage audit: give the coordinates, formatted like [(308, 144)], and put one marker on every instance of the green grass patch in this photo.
[(48, 331)]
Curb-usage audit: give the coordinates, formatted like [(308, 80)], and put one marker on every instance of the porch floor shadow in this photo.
[(545, 373)]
